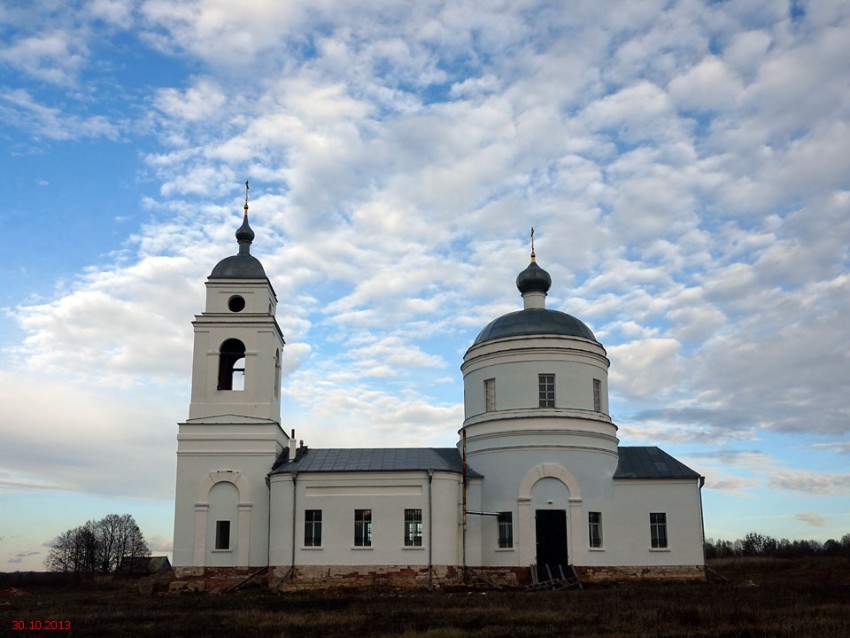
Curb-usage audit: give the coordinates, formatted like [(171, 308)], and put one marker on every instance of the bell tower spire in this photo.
[(245, 235)]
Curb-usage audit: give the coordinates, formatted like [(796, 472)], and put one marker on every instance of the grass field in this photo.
[(794, 598)]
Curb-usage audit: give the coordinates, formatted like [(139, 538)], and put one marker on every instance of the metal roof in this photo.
[(635, 462), (534, 321), (375, 460), (650, 463), (243, 266)]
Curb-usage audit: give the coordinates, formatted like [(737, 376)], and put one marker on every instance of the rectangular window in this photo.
[(413, 528), (363, 528), (658, 529), (597, 395), (222, 534), (594, 531), (312, 528), (506, 530), (489, 395), (546, 386)]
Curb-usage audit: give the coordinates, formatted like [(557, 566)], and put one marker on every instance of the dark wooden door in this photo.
[(551, 528)]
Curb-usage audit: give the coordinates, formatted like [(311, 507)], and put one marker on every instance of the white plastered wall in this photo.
[(239, 453), (387, 494)]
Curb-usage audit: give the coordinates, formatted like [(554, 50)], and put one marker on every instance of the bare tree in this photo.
[(61, 555), (102, 545)]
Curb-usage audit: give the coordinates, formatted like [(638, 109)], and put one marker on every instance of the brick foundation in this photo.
[(314, 577), (593, 574), (306, 577), (195, 579)]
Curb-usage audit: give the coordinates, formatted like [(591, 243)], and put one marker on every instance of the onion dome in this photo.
[(533, 279), (242, 265), (245, 234)]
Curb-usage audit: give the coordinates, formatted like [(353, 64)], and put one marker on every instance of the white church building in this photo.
[(537, 481)]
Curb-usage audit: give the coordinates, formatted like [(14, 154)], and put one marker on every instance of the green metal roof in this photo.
[(650, 463), (375, 460)]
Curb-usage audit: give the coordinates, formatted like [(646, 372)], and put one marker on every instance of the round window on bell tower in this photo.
[(236, 303)]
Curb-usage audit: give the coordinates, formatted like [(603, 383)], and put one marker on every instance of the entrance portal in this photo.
[(551, 528)]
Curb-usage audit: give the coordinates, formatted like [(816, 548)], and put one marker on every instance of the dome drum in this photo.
[(537, 377)]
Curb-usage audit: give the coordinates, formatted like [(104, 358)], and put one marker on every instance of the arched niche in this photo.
[(242, 514)]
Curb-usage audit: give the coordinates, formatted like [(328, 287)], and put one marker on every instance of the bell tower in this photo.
[(232, 437), (238, 343)]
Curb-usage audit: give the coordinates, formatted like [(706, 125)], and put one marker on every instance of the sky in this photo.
[(684, 165)]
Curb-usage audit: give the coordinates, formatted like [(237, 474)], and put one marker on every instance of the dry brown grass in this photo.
[(782, 598)]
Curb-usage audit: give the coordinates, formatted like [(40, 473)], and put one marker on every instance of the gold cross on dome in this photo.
[(532, 244)]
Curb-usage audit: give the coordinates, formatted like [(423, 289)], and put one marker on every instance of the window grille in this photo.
[(594, 522), (546, 387), (362, 528), (413, 528), (658, 529), (597, 395), (489, 395), (312, 528), (506, 530)]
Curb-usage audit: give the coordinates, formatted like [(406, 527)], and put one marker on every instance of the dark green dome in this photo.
[(534, 321), (533, 279), (239, 267)]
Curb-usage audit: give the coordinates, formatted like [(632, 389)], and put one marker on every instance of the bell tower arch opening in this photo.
[(231, 365)]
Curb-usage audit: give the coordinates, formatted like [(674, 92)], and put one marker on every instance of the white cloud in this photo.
[(746, 50), (353, 414), (812, 518), (815, 483), (118, 326), (710, 85), (731, 485), (20, 108), (115, 12), (215, 32), (645, 368), (160, 544), (201, 102), (85, 438), (840, 447), (638, 112), (55, 56), (20, 556)]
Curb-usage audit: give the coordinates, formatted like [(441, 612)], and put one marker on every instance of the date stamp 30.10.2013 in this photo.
[(41, 625)]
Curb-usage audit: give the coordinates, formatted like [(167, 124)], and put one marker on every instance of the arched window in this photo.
[(277, 372), (231, 365)]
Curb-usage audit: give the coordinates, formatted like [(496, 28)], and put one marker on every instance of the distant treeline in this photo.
[(755, 544)]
